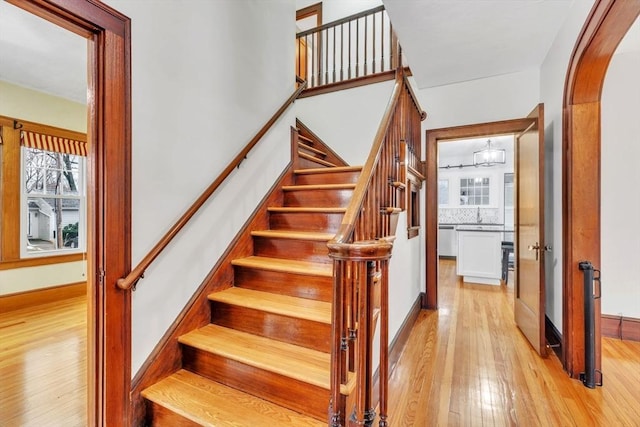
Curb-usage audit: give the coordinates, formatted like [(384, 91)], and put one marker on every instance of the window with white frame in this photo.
[(53, 195), (474, 191)]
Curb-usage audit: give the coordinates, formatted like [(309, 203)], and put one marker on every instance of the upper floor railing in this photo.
[(354, 47)]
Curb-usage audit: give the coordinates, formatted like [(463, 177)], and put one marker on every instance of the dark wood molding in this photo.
[(45, 260), (606, 25), (553, 337), (314, 9), (624, 328), (433, 136), (349, 84), (36, 297), (166, 357), (332, 156), (398, 343), (109, 190)]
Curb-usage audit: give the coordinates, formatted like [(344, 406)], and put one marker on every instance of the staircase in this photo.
[(264, 360)]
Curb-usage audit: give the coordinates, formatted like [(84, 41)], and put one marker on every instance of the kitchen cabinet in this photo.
[(480, 254)]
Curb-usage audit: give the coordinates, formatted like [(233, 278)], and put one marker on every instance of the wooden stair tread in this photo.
[(310, 148), (292, 361), (207, 402), (316, 236), (328, 170), (301, 308), (348, 186), (290, 209), (315, 159), (285, 265)]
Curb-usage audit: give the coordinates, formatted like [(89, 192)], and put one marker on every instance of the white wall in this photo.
[(205, 78), (620, 204), (509, 96), (347, 120), (552, 78)]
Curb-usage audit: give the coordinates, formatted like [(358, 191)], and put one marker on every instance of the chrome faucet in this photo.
[(479, 218)]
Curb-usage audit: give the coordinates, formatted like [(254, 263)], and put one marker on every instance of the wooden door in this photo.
[(529, 293)]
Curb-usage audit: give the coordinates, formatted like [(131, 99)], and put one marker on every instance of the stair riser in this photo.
[(318, 198), (328, 178), (293, 394), (159, 416), (305, 333), (304, 250), (295, 285), (309, 164), (305, 221)]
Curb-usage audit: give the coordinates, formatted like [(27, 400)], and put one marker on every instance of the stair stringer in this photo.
[(166, 357)]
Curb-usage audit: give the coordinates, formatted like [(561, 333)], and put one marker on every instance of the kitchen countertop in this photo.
[(485, 228)]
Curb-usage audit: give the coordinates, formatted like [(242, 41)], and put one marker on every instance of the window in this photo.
[(42, 176), (413, 211), (474, 191), (443, 192), (52, 201)]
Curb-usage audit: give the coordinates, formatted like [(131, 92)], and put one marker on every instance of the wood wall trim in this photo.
[(39, 261), (166, 357), (35, 297), (349, 84), (314, 9), (43, 128), (433, 136), (621, 327), (109, 190), (606, 25)]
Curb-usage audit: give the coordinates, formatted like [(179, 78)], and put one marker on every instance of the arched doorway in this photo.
[(605, 27)]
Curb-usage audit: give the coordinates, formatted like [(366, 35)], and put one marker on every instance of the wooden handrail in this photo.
[(360, 251), (137, 273), (345, 231)]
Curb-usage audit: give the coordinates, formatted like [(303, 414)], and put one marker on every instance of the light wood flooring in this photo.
[(468, 365), (43, 365), (465, 365)]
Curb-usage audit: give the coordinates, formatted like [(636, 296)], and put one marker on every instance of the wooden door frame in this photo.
[(108, 190), (433, 136), (605, 27)]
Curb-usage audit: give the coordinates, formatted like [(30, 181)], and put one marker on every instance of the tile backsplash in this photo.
[(468, 215)]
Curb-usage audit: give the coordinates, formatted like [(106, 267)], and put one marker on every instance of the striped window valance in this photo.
[(53, 143)]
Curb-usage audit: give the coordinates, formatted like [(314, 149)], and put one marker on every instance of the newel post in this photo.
[(358, 268)]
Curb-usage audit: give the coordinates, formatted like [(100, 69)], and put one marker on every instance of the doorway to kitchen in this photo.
[(475, 206)]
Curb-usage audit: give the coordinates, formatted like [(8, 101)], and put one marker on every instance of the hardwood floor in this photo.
[(468, 365), (465, 365), (43, 365)]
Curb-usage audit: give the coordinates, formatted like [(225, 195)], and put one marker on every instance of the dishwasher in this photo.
[(447, 242)]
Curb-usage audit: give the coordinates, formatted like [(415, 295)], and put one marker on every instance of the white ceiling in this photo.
[(445, 41), (450, 41), (461, 151), (39, 55)]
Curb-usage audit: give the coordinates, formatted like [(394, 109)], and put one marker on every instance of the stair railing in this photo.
[(137, 273), (357, 46), (361, 251)]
